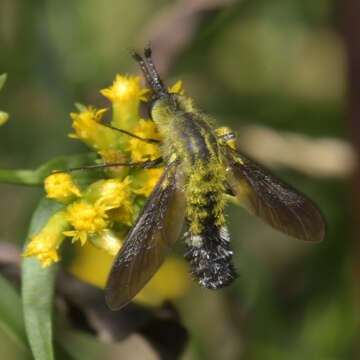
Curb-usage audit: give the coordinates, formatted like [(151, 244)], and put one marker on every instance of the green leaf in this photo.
[(82, 346), (38, 290), (2, 80), (11, 319)]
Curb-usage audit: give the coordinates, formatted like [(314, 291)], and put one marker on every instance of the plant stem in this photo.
[(21, 177)]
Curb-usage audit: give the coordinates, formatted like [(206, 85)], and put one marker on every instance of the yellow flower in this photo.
[(45, 244), (123, 213), (112, 156), (61, 187), (125, 95), (91, 265), (176, 88), (87, 128), (125, 88), (114, 192), (86, 219), (115, 196), (170, 282), (148, 184), (84, 121), (140, 150)]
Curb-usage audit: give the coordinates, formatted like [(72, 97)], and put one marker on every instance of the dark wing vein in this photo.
[(149, 240), (278, 204)]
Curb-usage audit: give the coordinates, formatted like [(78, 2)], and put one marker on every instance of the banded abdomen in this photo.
[(207, 237)]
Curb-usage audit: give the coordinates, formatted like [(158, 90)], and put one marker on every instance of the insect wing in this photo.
[(149, 240), (275, 202)]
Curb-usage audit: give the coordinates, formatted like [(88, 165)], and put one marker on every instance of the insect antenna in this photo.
[(155, 75), (150, 72), (143, 67)]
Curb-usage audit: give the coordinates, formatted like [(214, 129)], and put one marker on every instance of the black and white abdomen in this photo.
[(210, 256)]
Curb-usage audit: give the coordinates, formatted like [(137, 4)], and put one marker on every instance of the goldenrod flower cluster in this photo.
[(105, 209), (99, 215)]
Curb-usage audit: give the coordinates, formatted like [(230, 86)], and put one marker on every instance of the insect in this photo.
[(202, 165)]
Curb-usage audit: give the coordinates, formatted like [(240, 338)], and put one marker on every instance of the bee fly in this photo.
[(202, 165)]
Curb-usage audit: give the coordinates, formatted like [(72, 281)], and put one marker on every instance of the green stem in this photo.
[(21, 177)]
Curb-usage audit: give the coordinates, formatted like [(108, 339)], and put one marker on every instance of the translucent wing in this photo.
[(275, 202), (149, 240)]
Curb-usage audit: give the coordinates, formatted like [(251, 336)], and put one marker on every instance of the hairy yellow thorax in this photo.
[(191, 138)]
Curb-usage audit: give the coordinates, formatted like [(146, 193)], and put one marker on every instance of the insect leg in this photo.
[(152, 141), (228, 189), (144, 164)]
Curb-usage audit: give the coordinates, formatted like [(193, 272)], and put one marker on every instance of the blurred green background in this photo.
[(275, 64)]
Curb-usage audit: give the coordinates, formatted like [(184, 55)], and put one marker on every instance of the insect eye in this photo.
[(152, 104)]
